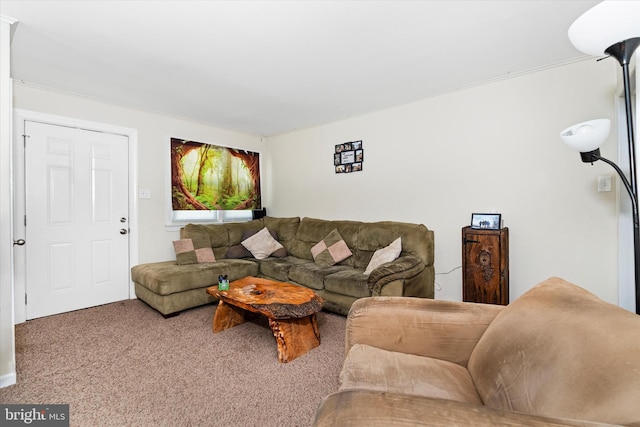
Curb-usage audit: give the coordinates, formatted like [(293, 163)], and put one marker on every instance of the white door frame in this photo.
[(19, 203), (7, 330)]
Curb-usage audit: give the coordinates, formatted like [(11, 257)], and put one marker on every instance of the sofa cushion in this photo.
[(349, 282), (417, 240), (550, 352), (371, 368), (330, 250), (285, 227), (312, 230), (238, 252), (216, 238), (167, 277), (278, 268), (312, 275), (193, 251), (383, 255), (261, 244)]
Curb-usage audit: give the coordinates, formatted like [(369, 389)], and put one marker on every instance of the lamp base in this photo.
[(591, 156)]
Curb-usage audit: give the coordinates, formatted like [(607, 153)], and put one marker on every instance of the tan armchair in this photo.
[(556, 356)]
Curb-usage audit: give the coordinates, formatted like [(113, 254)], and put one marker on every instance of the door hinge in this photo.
[(25, 299), (24, 139)]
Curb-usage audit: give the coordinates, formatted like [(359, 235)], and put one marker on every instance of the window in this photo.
[(211, 183)]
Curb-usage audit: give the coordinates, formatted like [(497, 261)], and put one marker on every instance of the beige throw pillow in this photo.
[(193, 251), (386, 254), (261, 244), (330, 250)]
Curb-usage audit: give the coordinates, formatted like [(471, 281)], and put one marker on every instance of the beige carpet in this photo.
[(122, 364)]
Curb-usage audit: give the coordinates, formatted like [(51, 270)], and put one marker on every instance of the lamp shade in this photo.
[(605, 24), (587, 136)]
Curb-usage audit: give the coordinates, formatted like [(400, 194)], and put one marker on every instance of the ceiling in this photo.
[(270, 67)]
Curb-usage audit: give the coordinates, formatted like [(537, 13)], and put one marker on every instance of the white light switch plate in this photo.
[(604, 183), (144, 193)]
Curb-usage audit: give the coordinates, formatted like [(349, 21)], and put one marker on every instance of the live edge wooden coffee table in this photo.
[(291, 311)]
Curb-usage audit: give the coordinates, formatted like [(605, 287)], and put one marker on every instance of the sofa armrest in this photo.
[(404, 267), (446, 330), (369, 408)]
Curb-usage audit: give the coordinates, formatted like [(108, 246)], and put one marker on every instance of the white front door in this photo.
[(77, 218)]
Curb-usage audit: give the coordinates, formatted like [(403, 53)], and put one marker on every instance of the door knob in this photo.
[(123, 231), (19, 242)]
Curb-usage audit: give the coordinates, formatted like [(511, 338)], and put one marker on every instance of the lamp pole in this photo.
[(604, 25), (623, 51)]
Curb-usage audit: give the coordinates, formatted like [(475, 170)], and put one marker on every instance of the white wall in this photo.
[(494, 147), (154, 131)]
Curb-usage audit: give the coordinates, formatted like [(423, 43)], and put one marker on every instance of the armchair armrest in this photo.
[(368, 408), (446, 330), (404, 267)]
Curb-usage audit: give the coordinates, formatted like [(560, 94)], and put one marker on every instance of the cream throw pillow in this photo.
[(383, 255), (261, 244)]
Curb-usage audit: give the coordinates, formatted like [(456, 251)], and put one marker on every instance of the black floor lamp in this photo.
[(610, 28)]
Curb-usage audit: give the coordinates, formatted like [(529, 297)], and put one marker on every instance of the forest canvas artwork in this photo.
[(211, 177)]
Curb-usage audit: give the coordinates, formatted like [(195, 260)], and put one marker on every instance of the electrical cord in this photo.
[(438, 285)]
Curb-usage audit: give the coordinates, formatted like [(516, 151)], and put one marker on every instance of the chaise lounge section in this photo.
[(170, 287)]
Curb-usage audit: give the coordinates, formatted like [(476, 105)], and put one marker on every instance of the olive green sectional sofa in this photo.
[(170, 287)]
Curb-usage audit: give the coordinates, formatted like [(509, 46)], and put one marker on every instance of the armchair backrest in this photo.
[(559, 350)]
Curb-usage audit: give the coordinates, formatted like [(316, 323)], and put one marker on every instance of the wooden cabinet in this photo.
[(485, 265)]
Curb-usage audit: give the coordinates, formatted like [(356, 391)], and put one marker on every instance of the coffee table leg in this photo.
[(295, 337), (227, 316)]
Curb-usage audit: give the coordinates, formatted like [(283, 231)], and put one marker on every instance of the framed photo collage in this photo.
[(348, 157)]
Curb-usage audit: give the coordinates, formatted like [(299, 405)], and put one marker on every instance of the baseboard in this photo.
[(7, 380)]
